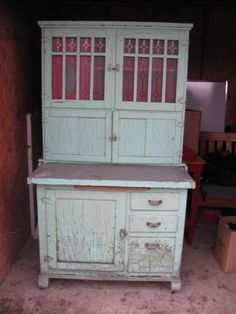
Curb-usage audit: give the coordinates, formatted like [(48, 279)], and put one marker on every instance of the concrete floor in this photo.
[(206, 289)]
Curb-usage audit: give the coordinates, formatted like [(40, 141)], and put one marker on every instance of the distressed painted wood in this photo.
[(152, 223), (151, 254), (161, 200), (84, 228), (99, 233)]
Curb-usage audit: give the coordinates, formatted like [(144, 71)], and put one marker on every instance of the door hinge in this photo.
[(47, 258), (178, 154), (180, 124), (46, 200), (182, 100), (44, 120)]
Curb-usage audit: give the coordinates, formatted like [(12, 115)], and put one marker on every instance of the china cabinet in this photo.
[(112, 189)]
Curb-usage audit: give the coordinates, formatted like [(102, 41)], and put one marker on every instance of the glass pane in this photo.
[(129, 45), (84, 83), (70, 77), (85, 44), (142, 84), (57, 44), (128, 79), (100, 45), (158, 47), (71, 44), (57, 77), (143, 46), (171, 79), (172, 47), (157, 77), (98, 78)]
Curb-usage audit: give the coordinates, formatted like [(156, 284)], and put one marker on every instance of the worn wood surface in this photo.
[(112, 175)]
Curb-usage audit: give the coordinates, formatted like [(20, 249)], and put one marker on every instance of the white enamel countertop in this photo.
[(117, 175)]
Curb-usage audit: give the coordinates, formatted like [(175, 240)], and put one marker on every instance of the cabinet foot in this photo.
[(175, 285), (43, 282)]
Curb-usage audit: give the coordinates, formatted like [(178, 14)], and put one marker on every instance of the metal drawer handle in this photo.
[(153, 224), (155, 203), (152, 246)]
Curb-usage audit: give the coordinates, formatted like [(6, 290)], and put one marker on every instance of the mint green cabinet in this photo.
[(113, 95)]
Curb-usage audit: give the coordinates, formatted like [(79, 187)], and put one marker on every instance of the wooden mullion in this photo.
[(164, 73), (150, 73)]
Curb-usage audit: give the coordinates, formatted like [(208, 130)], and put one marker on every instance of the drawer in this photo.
[(152, 223), (151, 254), (155, 201)]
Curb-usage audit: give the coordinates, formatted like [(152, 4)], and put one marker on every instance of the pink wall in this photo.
[(14, 212)]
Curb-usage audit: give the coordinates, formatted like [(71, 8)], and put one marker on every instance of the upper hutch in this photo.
[(114, 92), (112, 188)]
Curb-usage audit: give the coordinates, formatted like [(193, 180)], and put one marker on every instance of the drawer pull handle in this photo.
[(155, 203), (153, 224), (152, 246)]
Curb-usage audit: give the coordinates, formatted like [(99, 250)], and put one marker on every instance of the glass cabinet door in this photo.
[(76, 68), (151, 71)]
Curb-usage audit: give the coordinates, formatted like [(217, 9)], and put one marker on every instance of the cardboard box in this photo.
[(192, 129), (225, 251)]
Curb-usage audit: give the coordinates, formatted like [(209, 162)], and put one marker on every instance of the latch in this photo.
[(123, 233), (113, 137), (116, 68)]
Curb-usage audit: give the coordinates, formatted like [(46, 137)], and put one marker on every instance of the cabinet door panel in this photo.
[(147, 137), (81, 233), (83, 229), (77, 135)]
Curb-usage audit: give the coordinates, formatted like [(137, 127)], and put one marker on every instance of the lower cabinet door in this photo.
[(151, 254), (85, 230)]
